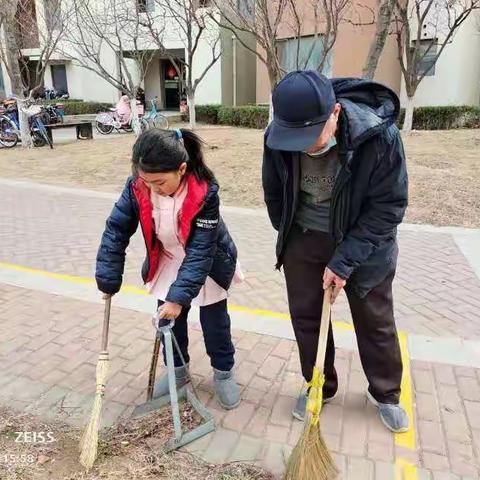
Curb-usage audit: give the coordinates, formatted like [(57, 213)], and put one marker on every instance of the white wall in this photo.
[(210, 88), (153, 83), (457, 72), (85, 85)]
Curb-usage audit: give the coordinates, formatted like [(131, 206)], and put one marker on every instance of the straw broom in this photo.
[(310, 459), (89, 442)]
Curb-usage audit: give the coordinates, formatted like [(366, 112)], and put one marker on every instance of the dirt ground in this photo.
[(444, 169), (130, 451)]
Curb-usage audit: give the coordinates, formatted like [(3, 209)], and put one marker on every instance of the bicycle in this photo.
[(106, 122), (40, 135), (53, 113), (34, 113), (154, 118), (9, 132)]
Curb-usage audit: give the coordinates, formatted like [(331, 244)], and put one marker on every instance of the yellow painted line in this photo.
[(75, 279), (44, 273), (404, 470), (407, 439)]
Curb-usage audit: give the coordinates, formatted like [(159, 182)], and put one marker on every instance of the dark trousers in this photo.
[(215, 322), (306, 256)]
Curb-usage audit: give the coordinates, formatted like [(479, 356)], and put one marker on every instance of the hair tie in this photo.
[(178, 134)]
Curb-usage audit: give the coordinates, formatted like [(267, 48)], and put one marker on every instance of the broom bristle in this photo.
[(310, 459), (89, 441)]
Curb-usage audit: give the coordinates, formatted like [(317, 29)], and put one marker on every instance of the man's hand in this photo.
[(329, 279), (169, 311)]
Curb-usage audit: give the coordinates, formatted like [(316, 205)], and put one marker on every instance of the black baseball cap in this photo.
[(302, 103)]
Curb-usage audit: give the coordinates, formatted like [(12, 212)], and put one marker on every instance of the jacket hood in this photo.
[(367, 108)]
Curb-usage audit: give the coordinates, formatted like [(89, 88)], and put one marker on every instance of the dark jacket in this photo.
[(209, 248), (369, 197)]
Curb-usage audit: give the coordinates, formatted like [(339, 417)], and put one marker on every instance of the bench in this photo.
[(84, 129)]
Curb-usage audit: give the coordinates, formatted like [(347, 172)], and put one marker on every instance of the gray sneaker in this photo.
[(300, 409), (161, 385), (393, 416), (226, 389)]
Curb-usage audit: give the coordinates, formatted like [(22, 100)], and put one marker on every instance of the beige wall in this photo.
[(349, 52), (245, 71)]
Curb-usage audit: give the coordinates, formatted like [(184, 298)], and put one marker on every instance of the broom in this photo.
[(89, 442), (310, 459)]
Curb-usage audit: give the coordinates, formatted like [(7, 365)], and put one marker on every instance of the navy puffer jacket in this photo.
[(209, 248), (370, 194)]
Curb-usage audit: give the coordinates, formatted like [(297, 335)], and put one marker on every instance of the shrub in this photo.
[(246, 116), (443, 117), (207, 113), (78, 107)]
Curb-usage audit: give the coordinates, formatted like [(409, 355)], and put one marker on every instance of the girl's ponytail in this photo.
[(196, 163), (157, 151)]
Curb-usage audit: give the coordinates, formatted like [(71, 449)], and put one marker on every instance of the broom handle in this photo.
[(106, 322), (324, 326), (153, 366)]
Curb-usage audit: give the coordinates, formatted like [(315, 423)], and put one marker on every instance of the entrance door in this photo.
[(59, 79), (172, 86)]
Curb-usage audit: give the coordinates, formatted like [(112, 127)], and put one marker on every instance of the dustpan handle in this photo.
[(106, 322), (324, 326)]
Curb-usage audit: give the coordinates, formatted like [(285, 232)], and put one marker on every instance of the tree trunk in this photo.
[(12, 52), (408, 122), (272, 77), (378, 42), (137, 128), (25, 133), (191, 110), (270, 109)]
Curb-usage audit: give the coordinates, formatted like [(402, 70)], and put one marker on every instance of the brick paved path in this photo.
[(48, 348), (59, 232), (47, 367)]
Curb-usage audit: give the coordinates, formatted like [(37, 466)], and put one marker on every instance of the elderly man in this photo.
[(335, 184)]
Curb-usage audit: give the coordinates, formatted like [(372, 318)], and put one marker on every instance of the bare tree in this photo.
[(383, 22), (27, 27), (313, 26), (262, 20), (100, 31), (190, 22), (423, 29), (317, 20)]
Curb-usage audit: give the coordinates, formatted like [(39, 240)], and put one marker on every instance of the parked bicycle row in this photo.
[(38, 116), (41, 116)]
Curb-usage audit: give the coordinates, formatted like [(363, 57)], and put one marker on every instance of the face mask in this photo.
[(330, 144)]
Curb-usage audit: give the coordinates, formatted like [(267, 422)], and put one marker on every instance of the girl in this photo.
[(191, 258)]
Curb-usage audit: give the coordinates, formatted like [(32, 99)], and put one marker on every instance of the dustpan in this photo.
[(186, 393)]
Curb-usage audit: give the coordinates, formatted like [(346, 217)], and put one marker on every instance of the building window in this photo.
[(304, 53), (246, 8), (427, 56), (53, 15), (145, 6), (59, 79)]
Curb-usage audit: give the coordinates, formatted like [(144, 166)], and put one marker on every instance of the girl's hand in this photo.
[(169, 311)]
